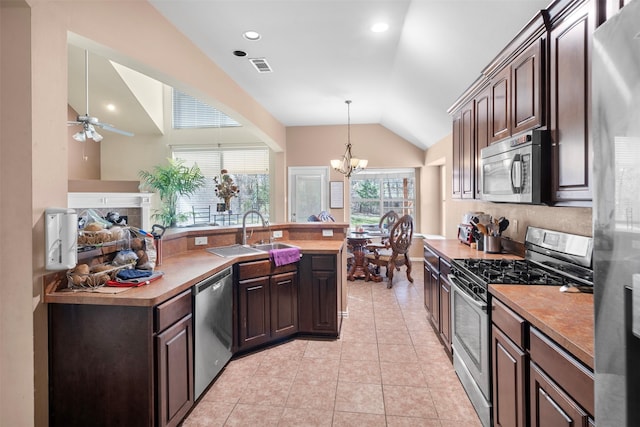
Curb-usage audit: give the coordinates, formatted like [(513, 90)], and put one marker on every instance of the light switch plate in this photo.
[(201, 240), (277, 234), (327, 233)]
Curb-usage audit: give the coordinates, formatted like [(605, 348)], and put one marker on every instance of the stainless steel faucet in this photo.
[(265, 223)]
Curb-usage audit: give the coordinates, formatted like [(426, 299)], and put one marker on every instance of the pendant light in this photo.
[(348, 164)]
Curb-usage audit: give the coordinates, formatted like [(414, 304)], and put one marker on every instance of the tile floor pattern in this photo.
[(387, 369)]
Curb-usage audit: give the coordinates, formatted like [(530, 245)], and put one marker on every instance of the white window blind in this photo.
[(188, 112)]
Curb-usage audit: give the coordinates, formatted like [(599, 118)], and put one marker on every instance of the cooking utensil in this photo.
[(482, 228), (503, 224)]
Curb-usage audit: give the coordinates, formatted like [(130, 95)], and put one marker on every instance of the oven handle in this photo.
[(480, 304)]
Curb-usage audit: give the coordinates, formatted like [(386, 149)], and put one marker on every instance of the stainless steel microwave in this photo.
[(517, 170)]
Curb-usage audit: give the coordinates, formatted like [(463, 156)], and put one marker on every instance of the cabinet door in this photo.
[(509, 388), (500, 93), (456, 178), (445, 312), (324, 296), (570, 105), (526, 99), (467, 150), (434, 285), (428, 304), (549, 405), (255, 322), (284, 305), (174, 349), (483, 134)]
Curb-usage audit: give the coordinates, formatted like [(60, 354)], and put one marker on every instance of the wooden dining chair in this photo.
[(395, 251)]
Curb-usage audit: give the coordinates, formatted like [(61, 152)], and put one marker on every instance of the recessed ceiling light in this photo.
[(251, 35), (379, 27), (239, 53), (111, 107)]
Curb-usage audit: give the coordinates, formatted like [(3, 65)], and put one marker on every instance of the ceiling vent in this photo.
[(261, 65)]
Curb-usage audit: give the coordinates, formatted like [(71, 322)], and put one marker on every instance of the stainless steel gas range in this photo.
[(552, 258)]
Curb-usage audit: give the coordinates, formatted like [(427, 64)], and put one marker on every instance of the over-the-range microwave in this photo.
[(517, 170)]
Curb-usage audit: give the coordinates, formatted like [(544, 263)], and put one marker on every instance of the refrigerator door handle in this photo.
[(635, 305)]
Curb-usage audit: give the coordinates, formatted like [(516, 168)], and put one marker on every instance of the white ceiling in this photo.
[(322, 53)]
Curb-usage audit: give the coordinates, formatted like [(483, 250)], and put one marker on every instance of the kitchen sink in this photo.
[(235, 250), (269, 246)]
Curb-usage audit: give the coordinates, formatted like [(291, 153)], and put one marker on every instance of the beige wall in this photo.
[(571, 220), (317, 145)]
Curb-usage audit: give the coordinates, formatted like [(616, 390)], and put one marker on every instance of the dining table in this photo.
[(358, 242)]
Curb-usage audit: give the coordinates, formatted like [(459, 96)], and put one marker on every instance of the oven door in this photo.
[(470, 330)]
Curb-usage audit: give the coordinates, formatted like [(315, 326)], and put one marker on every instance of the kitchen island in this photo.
[(126, 358)]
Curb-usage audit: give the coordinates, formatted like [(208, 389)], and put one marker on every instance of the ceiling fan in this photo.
[(89, 122)]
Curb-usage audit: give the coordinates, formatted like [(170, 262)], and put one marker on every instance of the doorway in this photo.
[(307, 192)]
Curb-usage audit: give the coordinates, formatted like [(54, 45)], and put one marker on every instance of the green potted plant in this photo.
[(170, 182)]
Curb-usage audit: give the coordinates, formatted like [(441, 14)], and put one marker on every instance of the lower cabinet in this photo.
[(120, 365), (267, 303), (437, 295), (319, 299), (536, 383)]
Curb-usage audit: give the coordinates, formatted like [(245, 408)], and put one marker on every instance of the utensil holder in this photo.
[(492, 244)]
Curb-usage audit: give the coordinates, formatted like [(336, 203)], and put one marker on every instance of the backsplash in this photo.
[(568, 219)]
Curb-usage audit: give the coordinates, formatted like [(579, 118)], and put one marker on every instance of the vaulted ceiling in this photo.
[(322, 52)]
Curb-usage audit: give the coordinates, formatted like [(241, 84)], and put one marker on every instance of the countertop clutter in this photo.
[(181, 271)]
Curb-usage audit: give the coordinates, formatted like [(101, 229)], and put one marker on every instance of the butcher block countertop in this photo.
[(181, 271), (567, 318)]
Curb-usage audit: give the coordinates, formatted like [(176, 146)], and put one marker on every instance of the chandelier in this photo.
[(348, 164)]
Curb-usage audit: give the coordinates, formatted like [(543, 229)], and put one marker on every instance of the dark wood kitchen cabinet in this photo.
[(267, 303), (509, 368), (319, 300), (120, 365), (437, 289), (535, 381), (570, 106), (445, 304), (483, 136), (464, 153), (500, 105), (527, 77), (174, 359)]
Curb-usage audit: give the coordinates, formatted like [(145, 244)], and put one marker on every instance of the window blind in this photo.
[(188, 113)]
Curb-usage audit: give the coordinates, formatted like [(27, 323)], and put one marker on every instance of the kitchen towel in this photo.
[(284, 256)]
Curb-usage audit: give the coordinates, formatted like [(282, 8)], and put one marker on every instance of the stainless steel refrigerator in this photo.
[(616, 217)]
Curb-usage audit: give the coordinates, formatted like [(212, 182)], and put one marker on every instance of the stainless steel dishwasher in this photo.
[(212, 301)]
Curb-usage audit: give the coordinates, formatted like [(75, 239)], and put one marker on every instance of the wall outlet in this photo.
[(201, 240), (327, 233), (514, 225), (277, 234)]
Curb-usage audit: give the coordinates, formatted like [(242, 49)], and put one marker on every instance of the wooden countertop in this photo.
[(181, 271), (453, 248), (566, 317)]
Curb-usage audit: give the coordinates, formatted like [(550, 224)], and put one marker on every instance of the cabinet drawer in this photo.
[(514, 326), (167, 313), (431, 258), (261, 268), (253, 269), (323, 262), (566, 371), (445, 267)]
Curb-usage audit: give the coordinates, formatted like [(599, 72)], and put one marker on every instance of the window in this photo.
[(249, 167), (188, 113), (377, 191)]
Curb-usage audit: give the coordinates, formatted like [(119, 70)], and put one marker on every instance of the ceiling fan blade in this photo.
[(73, 123), (112, 129)]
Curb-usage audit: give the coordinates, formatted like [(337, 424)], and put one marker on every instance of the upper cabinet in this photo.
[(570, 69), (540, 80)]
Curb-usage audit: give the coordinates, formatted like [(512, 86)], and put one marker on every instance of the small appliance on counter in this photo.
[(467, 230)]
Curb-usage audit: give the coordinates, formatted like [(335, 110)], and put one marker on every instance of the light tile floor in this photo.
[(387, 369)]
